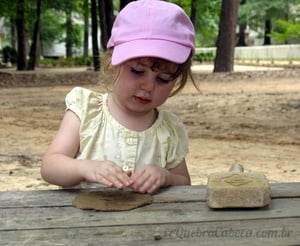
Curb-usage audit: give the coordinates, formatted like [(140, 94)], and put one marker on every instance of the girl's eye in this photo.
[(141, 72), (135, 71), (164, 81)]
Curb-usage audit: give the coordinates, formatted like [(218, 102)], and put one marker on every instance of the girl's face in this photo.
[(144, 84)]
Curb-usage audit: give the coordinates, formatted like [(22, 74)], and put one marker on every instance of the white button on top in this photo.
[(131, 141), (125, 168)]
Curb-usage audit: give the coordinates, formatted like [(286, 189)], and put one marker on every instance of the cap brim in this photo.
[(170, 51)]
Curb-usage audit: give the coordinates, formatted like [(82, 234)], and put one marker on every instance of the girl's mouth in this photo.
[(142, 100)]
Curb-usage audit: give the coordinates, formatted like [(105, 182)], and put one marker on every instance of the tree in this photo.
[(123, 3), (20, 23), (8, 11), (268, 28), (242, 28), (69, 28), (86, 16), (261, 14), (227, 37), (286, 31), (52, 26), (33, 54), (194, 11), (106, 20), (206, 23), (96, 56), (73, 33)]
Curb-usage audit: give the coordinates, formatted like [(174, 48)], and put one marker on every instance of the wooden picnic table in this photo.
[(177, 216)]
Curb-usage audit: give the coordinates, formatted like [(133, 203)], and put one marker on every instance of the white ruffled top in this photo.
[(164, 144)]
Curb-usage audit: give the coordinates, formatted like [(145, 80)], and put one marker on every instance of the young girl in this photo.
[(121, 139)]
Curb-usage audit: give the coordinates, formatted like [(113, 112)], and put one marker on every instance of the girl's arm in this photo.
[(179, 175), (60, 167)]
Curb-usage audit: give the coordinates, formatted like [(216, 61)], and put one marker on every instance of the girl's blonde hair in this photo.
[(110, 73)]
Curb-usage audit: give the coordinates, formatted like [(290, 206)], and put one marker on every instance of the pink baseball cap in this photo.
[(152, 28)]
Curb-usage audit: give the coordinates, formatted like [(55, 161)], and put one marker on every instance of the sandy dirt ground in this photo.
[(252, 118)]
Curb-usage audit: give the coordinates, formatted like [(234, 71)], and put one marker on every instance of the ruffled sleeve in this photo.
[(75, 101), (82, 102), (87, 105), (175, 139)]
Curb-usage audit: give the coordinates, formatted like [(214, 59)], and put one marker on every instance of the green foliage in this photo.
[(67, 62), (207, 24), (7, 8), (284, 18), (281, 13), (185, 4), (52, 19), (76, 35), (9, 54), (286, 31), (255, 12), (52, 26), (204, 57)]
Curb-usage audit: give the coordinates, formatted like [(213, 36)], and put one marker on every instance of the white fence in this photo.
[(268, 52)]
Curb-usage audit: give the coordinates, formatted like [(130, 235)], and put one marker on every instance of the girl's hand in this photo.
[(105, 172), (149, 178)]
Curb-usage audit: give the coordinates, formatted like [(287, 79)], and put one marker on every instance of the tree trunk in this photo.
[(86, 29), (106, 20), (109, 10), (102, 22), (194, 11), (243, 26), (268, 27), (33, 55), (69, 29), (226, 41), (123, 3), (20, 23), (96, 58), (242, 36)]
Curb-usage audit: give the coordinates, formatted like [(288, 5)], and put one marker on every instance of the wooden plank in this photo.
[(172, 194), (196, 193), (63, 197), (39, 198), (159, 213), (253, 232), (281, 190)]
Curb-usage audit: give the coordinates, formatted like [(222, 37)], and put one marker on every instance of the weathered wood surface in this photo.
[(173, 194), (178, 214)]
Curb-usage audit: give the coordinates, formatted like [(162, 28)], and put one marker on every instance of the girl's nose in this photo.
[(147, 84)]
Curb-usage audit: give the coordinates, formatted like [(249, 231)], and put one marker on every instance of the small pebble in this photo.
[(157, 236)]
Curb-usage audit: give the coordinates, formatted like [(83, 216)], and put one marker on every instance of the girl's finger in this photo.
[(103, 180), (120, 179)]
